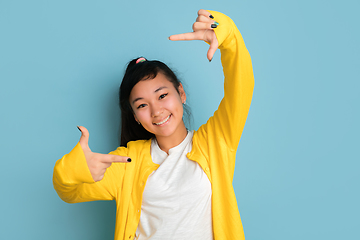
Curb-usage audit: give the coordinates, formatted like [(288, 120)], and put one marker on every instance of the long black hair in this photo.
[(136, 72)]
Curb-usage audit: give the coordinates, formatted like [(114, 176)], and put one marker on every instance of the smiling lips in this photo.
[(163, 121)]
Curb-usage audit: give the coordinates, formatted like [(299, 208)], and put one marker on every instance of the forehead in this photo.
[(148, 87)]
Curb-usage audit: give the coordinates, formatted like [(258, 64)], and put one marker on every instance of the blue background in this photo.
[(297, 172)]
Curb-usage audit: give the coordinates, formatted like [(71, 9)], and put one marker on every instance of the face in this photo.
[(158, 106)]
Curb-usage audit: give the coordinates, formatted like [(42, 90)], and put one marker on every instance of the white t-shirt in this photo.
[(177, 197)]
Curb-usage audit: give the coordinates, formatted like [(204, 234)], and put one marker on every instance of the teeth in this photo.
[(163, 121)]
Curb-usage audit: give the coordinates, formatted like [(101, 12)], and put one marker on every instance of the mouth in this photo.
[(163, 121)]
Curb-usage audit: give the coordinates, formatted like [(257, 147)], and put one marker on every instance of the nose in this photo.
[(156, 110)]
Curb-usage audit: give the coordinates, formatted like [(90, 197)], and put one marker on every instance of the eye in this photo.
[(141, 106), (163, 95)]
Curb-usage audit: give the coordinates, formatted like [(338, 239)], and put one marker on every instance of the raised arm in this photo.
[(232, 112), (220, 32)]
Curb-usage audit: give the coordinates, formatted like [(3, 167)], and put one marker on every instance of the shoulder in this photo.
[(138, 144), (132, 146)]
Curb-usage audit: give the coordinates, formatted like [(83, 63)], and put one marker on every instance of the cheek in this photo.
[(142, 115), (175, 105)]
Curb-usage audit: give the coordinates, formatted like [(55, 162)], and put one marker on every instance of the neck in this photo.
[(168, 142)]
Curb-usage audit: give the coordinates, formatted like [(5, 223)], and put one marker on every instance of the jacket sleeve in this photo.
[(73, 181), (229, 119)]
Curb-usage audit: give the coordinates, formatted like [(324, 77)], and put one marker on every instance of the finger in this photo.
[(84, 139), (187, 36), (212, 49), (110, 158), (203, 18), (99, 176), (197, 26), (204, 13)]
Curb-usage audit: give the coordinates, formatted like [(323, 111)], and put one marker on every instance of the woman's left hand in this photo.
[(202, 30)]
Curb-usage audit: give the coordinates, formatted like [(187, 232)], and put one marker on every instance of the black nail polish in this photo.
[(211, 16), (129, 159), (78, 128), (213, 26)]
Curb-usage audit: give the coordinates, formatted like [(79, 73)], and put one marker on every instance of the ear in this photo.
[(136, 118), (182, 93)]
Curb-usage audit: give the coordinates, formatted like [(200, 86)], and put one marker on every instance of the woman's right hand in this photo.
[(97, 162)]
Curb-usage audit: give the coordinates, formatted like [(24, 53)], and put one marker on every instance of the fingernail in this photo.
[(216, 23), (211, 16), (210, 60), (78, 128), (129, 159), (168, 38), (213, 26)]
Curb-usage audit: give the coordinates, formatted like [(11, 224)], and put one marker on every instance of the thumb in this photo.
[(212, 49), (84, 139)]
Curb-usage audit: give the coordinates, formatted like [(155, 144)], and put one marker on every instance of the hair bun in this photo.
[(140, 59)]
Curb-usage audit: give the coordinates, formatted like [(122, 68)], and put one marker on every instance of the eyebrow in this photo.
[(160, 88)]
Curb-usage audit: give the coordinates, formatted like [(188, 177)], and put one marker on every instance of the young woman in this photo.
[(168, 182)]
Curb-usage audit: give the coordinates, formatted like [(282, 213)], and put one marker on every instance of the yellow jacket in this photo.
[(214, 149)]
